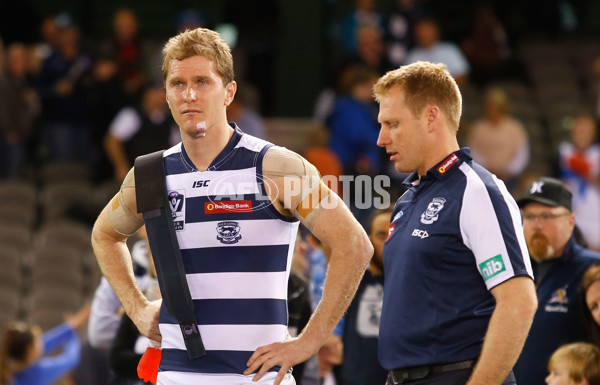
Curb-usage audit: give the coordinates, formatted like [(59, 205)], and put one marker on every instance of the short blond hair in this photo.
[(202, 42), (583, 361), (424, 84)]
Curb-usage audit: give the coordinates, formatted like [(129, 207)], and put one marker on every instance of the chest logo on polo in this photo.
[(492, 267), (228, 232), (431, 214), (559, 301), (420, 233), (177, 206)]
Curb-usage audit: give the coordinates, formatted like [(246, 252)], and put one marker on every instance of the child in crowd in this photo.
[(575, 364)]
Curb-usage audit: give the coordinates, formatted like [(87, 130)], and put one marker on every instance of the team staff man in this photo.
[(236, 262), (459, 297)]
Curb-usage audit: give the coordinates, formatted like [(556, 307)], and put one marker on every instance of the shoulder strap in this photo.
[(152, 201)]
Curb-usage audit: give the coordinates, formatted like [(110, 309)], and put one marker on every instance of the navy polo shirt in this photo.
[(455, 234), (559, 317)]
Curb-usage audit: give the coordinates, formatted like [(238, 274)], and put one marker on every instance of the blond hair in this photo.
[(583, 361), (424, 84), (202, 42)]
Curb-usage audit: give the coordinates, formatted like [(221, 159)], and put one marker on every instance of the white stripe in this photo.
[(238, 285), (480, 227), (252, 143), (173, 150), (258, 232), (187, 378), (218, 183), (226, 337)]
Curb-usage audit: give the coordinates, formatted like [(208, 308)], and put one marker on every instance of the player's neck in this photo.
[(438, 153), (203, 150)]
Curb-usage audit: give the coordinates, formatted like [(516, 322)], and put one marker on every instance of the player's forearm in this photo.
[(115, 262), (504, 340), (344, 272)]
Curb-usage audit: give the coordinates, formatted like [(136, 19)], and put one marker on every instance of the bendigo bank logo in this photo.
[(226, 207), (449, 162)]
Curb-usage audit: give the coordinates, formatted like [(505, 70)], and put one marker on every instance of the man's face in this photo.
[(547, 230), (380, 228), (196, 94), (402, 134)]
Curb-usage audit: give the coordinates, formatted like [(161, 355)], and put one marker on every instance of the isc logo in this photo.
[(200, 183), (420, 233), (492, 267)]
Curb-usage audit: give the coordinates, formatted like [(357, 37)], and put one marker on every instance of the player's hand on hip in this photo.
[(286, 354), (146, 319)]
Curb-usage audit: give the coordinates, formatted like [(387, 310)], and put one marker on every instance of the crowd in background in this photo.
[(62, 99)]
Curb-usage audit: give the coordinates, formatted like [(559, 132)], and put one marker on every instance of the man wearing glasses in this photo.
[(558, 262)]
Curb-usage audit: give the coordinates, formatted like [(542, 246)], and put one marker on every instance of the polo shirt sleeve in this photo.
[(490, 225), (125, 125)]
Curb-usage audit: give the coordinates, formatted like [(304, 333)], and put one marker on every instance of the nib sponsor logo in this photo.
[(492, 267)]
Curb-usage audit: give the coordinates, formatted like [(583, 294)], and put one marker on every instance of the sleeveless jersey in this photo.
[(237, 251)]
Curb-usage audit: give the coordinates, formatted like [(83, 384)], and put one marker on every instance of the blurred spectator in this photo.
[(26, 353), (19, 108), (498, 141), (62, 87), (576, 364), (361, 327), (50, 37), (353, 124), (246, 118), (399, 32), (590, 290), (486, 47), (299, 303), (558, 263), (430, 48), (364, 14), (331, 353), (579, 165), (323, 157), (128, 46), (139, 130), (107, 98)]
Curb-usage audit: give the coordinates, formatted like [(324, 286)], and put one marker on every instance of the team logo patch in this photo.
[(228, 232), (177, 206), (228, 207), (431, 214), (492, 267)]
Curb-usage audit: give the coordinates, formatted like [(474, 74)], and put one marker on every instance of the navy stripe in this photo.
[(215, 361), (195, 210), (243, 259), (504, 216), (174, 164), (235, 312), (243, 159)]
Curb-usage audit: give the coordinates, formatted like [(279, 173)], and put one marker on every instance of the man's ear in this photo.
[(432, 116), (230, 90)]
